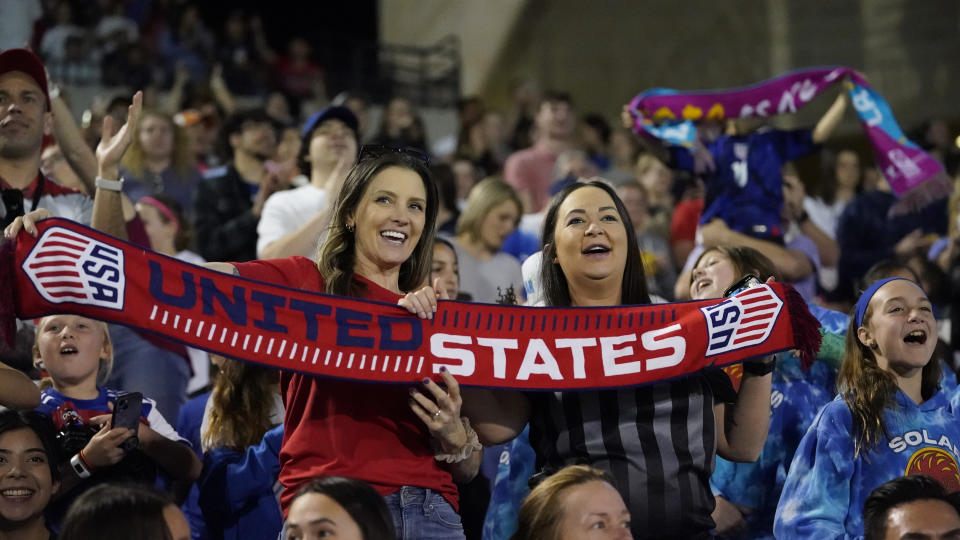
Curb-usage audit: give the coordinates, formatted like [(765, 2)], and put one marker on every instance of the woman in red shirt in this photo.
[(409, 445)]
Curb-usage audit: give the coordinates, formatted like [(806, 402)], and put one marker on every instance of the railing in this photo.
[(428, 76)]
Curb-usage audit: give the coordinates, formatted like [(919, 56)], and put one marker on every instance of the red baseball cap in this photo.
[(24, 60)]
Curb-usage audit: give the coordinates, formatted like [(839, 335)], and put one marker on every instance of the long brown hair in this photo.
[(337, 255), (868, 389), (556, 292), (240, 405)]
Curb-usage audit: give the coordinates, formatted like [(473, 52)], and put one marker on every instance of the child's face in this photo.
[(901, 331), (71, 347)]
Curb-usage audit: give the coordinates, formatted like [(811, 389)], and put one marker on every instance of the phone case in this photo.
[(126, 413)]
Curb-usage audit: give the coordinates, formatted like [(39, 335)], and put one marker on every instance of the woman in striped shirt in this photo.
[(658, 442)]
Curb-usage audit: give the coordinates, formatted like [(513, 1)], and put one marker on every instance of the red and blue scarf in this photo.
[(69, 268)]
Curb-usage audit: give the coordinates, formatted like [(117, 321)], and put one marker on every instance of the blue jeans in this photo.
[(139, 366), (419, 513)]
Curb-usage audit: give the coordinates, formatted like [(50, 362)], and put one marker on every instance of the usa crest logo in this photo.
[(743, 320), (68, 267)]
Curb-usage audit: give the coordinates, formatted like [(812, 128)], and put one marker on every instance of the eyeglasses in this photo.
[(13, 203), (374, 151)]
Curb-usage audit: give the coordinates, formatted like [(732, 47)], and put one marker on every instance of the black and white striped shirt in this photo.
[(657, 441)]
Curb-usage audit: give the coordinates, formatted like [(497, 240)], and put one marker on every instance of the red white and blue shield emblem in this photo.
[(67, 267), (743, 320)]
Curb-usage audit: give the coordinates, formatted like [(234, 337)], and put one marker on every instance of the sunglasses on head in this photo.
[(374, 151)]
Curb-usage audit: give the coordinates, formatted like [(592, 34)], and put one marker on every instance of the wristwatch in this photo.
[(759, 367), (79, 466), (109, 185)]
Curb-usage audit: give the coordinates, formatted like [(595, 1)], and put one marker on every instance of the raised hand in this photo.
[(114, 142)]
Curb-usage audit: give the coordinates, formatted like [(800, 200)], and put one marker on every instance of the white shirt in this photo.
[(825, 216), (286, 211)]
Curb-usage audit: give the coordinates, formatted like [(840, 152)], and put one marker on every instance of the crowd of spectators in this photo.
[(233, 152)]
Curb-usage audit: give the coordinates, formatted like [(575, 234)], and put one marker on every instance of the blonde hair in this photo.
[(181, 160), (484, 196), (541, 515), (645, 162), (105, 366), (240, 405)]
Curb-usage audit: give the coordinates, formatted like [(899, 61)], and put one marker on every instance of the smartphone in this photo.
[(742, 284), (126, 414)]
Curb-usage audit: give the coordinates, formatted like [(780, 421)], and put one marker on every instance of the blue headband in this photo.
[(864, 300)]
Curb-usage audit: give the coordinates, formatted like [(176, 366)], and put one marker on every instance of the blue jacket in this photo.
[(795, 399), (188, 425), (237, 494), (866, 235), (744, 189), (827, 485)]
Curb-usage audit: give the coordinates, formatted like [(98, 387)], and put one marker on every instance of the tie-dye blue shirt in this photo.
[(826, 487), (794, 402)]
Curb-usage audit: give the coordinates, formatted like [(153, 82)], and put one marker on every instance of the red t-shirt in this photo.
[(686, 217), (335, 427)]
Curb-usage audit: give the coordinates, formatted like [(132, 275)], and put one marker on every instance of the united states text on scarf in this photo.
[(70, 268)]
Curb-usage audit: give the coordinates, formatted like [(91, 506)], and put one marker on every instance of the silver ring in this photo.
[(436, 414)]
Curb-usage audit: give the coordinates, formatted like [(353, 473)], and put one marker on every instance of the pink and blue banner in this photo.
[(670, 115)]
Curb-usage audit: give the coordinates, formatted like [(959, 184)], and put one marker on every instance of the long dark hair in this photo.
[(362, 502), (556, 292), (117, 511), (828, 185), (42, 426), (337, 255)]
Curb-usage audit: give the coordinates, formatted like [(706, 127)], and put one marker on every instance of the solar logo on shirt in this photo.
[(67, 267), (937, 463)]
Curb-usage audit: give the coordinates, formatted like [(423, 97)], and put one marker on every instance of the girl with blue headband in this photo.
[(890, 418)]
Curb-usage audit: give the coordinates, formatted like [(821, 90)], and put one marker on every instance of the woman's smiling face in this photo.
[(26, 484), (389, 220), (590, 236)]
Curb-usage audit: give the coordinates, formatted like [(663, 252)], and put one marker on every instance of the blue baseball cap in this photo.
[(343, 114)]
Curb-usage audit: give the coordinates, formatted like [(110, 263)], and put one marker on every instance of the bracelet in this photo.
[(759, 368), (472, 445), (80, 465), (109, 185)]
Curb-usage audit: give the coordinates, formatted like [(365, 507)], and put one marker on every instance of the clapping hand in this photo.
[(114, 142)]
